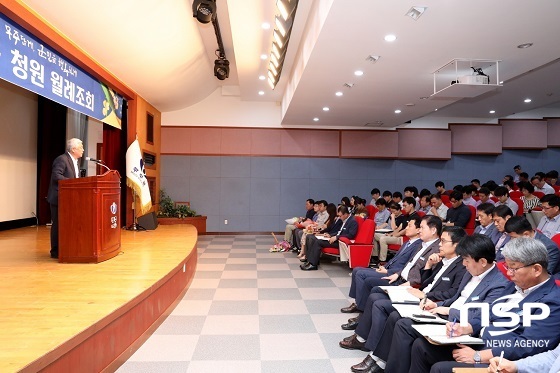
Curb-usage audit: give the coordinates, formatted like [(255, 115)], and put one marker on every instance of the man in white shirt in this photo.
[(503, 199), (438, 208), (550, 222), (541, 186)]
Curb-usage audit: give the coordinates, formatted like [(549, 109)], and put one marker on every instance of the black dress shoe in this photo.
[(351, 325), (368, 365), (354, 319), (349, 337), (54, 254), (309, 267), (350, 309), (353, 344)]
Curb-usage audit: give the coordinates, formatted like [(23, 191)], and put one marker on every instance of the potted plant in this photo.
[(171, 213)]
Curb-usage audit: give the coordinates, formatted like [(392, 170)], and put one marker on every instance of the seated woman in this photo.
[(318, 228), (530, 201), (360, 207)]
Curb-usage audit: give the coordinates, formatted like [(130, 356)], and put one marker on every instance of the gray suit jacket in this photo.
[(414, 276)]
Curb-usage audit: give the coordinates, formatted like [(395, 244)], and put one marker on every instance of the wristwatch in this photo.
[(476, 357)]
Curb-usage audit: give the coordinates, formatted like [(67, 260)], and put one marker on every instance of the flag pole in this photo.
[(135, 226)]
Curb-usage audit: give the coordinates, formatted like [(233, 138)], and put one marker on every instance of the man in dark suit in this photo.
[(441, 277), (484, 216), (346, 226), (65, 166), (459, 214), (526, 261), (483, 282)]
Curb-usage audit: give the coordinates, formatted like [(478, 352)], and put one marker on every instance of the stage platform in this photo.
[(85, 317)]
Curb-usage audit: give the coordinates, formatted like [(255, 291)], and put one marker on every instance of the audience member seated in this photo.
[(501, 215), (468, 191), (411, 191), (552, 178), (440, 188), (459, 214), (382, 215), (518, 171), (398, 198), (485, 195), (320, 226), (476, 185), (300, 227), (484, 216), (441, 277), (506, 178), (482, 283), (524, 176), (375, 195), (425, 205), (346, 226), (503, 199), (360, 207), (545, 362), (398, 222), (518, 226), (541, 186), (288, 232), (550, 223), (530, 201), (526, 262), (345, 201), (388, 197), (438, 208)]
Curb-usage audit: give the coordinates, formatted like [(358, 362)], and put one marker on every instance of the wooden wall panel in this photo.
[(553, 132), (473, 138), (206, 140), (266, 141), (524, 133), (424, 144), (310, 143), (369, 144), (236, 141), (176, 140)]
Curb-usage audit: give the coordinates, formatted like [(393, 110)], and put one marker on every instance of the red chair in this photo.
[(556, 188), (395, 246), (372, 210), (538, 194), (421, 213), (502, 267), (519, 206), (360, 248), (445, 200), (470, 225), (556, 239), (515, 194), (495, 199)]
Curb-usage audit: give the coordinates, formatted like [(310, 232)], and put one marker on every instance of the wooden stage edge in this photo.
[(88, 317)]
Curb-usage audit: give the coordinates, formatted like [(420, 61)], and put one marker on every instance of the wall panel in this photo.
[(524, 133), (424, 144), (467, 138)]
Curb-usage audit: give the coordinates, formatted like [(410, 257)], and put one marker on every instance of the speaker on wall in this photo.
[(148, 221)]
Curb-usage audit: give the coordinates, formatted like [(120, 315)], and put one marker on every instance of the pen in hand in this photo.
[(500, 361), (424, 303), (452, 326)]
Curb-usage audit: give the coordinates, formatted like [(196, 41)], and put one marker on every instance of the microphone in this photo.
[(94, 160), (98, 162)]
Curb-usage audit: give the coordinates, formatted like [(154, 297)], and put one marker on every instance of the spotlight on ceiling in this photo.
[(204, 10), (221, 69)]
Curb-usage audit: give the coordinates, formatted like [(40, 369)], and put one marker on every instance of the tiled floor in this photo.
[(249, 310)]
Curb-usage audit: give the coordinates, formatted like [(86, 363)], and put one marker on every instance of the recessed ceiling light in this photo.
[(339, 93), (390, 38), (527, 100), (264, 56), (262, 77), (525, 45), (492, 111), (265, 25), (326, 108), (397, 111), (502, 82), (315, 119), (415, 12), (261, 93), (358, 73), (435, 110), (410, 104)]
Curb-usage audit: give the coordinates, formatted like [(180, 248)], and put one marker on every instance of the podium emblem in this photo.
[(113, 208)]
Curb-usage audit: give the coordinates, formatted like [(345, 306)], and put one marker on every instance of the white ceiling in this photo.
[(159, 50)]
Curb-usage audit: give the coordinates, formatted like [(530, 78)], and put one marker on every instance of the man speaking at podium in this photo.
[(65, 166)]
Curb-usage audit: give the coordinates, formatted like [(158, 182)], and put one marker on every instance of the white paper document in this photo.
[(437, 334), (400, 294)]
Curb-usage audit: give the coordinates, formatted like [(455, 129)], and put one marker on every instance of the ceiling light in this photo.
[(315, 119), (339, 93), (492, 111), (262, 77), (261, 93), (525, 46), (221, 69), (265, 25), (390, 38), (283, 26), (415, 12), (358, 73), (274, 60), (502, 82), (273, 69), (278, 38), (373, 59), (527, 100), (271, 82), (204, 10), (435, 110), (326, 108), (397, 111), (264, 56), (286, 7)]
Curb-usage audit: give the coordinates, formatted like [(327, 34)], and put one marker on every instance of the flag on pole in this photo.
[(136, 177)]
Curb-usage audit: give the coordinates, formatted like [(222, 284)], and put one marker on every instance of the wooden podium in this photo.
[(89, 218)]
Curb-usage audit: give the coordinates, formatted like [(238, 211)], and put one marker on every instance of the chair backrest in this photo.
[(360, 220), (421, 213), (515, 194), (470, 225), (372, 210), (536, 193), (519, 206), (495, 199), (445, 200), (556, 188), (556, 239), (502, 268), (365, 232), (537, 216)]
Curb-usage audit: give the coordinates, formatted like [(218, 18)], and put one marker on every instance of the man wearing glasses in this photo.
[(550, 223)]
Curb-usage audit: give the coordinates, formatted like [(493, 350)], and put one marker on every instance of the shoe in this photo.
[(354, 319), (309, 267), (303, 259), (350, 309), (353, 344), (349, 337), (54, 254), (368, 365), (351, 325)]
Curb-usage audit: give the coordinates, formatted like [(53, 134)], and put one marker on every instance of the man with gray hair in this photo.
[(533, 296), (65, 166)]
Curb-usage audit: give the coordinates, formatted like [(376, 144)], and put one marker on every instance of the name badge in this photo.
[(445, 279), (475, 298), (422, 259)]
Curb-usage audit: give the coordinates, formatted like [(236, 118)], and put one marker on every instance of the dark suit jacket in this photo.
[(397, 263), (62, 168), (553, 253), (499, 256), (447, 284), (349, 230), (488, 290), (414, 276), (490, 232), (539, 330)]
